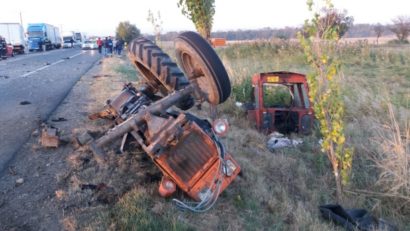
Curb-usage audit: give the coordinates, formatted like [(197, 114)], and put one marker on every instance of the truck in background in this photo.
[(14, 35), (69, 39), (42, 36), (80, 37)]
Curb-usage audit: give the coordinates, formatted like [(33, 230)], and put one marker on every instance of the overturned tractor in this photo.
[(187, 149)]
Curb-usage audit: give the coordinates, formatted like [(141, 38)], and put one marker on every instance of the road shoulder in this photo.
[(30, 188)]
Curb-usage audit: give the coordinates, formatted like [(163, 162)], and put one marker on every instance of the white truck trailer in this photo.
[(14, 35)]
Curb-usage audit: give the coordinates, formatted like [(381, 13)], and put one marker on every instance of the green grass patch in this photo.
[(128, 71), (135, 211)]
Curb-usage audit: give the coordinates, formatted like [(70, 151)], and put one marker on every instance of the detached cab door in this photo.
[(252, 108)]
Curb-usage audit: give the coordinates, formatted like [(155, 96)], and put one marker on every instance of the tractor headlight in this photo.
[(220, 127), (229, 168)]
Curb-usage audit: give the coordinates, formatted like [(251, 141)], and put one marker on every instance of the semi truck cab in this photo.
[(43, 36), (37, 36)]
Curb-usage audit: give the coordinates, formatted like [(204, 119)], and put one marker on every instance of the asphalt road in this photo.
[(31, 88)]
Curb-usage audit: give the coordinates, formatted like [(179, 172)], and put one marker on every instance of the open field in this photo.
[(375, 79), (371, 40)]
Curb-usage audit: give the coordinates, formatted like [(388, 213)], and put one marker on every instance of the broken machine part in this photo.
[(280, 102), (49, 137), (187, 149)]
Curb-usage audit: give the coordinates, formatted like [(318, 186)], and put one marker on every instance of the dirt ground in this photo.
[(44, 188)]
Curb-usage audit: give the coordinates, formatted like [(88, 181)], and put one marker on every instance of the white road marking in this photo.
[(30, 55), (47, 66), (76, 55)]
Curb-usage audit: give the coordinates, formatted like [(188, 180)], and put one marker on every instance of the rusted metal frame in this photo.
[(166, 134), (134, 121), (107, 113)]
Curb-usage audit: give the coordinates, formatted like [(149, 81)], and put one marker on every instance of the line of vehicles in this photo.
[(38, 37)]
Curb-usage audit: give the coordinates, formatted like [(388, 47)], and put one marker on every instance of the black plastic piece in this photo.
[(354, 219)]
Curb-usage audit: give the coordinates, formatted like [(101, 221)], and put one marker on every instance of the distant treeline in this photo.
[(366, 30), (356, 31)]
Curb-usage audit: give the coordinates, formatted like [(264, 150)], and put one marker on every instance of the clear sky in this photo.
[(101, 18)]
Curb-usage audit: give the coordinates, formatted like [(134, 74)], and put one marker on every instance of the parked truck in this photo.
[(68, 39), (42, 36), (14, 35), (79, 37)]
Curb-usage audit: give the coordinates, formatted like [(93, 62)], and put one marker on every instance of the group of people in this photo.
[(110, 46)]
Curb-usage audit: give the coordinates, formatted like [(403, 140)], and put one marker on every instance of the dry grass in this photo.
[(392, 160), (69, 224)]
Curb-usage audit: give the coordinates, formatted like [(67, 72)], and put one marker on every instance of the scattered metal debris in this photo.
[(88, 186), (35, 133), (59, 119), (277, 140), (354, 219), (19, 181), (49, 137), (99, 76), (84, 138), (25, 102)]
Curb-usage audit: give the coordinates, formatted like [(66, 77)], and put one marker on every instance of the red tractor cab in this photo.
[(280, 102)]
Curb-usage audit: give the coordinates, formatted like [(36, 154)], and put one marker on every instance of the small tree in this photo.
[(201, 13), (333, 18), (378, 29), (127, 31), (156, 23), (401, 27), (320, 44)]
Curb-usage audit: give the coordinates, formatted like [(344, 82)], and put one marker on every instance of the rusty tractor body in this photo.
[(185, 148), (280, 102)]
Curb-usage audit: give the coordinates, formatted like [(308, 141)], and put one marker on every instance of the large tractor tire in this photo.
[(156, 67), (201, 64)]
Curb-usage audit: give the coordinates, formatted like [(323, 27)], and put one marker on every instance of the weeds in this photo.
[(127, 71), (137, 211), (393, 161)]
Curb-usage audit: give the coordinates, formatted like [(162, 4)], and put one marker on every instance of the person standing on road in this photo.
[(106, 46), (72, 42), (120, 44), (99, 44), (110, 45), (114, 44)]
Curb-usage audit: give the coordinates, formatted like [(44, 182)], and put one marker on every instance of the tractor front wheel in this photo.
[(202, 65)]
